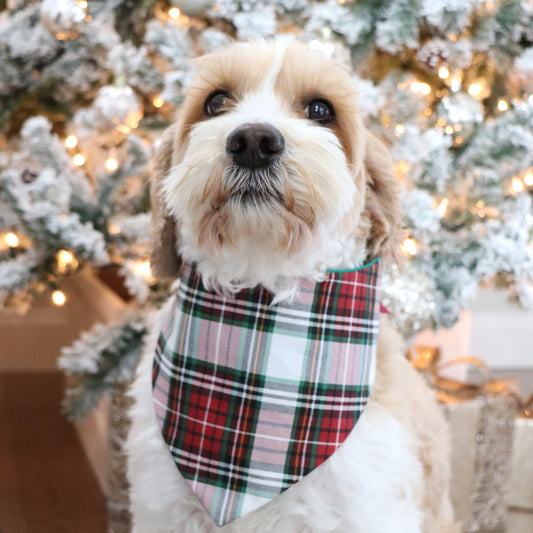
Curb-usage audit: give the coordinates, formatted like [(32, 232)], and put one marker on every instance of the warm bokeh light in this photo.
[(448, 130), (71, 141), (443, 206), (424, 88), (157, 101), (409, 246), (474, 89), (83, 4), (65, 259), (518, 185), (503, 105), (78, 160), (144, 269), (111, 164), (174, 12), (444, 73), (59, 298), (528, 179), (399, 130), (11, 240)]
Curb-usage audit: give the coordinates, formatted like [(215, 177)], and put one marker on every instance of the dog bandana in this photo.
[(251, 396)]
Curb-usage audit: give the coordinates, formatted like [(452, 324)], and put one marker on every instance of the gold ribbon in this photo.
[(450, 391), (525, 407)]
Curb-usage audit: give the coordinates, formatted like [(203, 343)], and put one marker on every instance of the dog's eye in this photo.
[(320, 111), (215, 102)]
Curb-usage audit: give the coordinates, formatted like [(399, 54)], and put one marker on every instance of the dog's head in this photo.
[(269, 172)]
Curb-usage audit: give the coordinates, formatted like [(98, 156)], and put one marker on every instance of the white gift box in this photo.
[(520, 493)]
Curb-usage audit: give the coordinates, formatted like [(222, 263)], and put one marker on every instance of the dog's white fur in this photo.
[(391, 474)]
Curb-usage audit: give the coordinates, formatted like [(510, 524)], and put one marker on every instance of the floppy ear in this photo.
[(382, 202), (164, 259)]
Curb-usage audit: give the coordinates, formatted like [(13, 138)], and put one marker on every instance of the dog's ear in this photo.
[(382, 202), (164, 259)]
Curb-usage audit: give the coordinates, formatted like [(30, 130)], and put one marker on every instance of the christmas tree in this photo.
[(88, 87)]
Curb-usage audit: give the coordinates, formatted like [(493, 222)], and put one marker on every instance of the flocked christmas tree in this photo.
[(87, 87)]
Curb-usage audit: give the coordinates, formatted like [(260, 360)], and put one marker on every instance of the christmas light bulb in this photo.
[(65, 259), (528, 179), (157, 101), (399, 130), (111, 164), (444, 73), (409, 246), (174, 13), (474, 89), (424, 88), (78, 160), (59, 298), (71, 141), (144, 269), (503, 105), (443, 207), (448, 130), (11, 240), (415, 87), (517, 185)]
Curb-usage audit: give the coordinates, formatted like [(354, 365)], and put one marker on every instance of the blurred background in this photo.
[(86, 89)]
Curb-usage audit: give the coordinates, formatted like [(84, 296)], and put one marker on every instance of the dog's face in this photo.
[(269, 172)]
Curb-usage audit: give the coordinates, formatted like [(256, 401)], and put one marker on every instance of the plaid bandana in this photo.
[(250, 397)]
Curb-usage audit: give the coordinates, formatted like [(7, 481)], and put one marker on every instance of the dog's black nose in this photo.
[(255, 145)]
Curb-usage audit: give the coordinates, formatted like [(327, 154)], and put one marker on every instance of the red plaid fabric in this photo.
[(251, 396)]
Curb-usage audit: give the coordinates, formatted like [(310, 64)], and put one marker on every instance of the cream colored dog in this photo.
[(268, 176)]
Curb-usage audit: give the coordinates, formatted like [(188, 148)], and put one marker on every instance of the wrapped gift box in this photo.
[(481, 438), (520, 495)]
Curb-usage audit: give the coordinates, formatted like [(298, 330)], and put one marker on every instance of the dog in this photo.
[(268, 177)]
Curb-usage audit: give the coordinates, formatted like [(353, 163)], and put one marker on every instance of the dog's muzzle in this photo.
[(255, 146)]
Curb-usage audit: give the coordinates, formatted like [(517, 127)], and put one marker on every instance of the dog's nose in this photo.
[(255, 145)]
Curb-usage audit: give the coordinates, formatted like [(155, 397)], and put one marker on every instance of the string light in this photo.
[(11, 240), (409, 246), (111, 164), (71, 141), (474, 89), (59, 298), (78, 160), (420, 87), (425, 88), (458, 140), (444, 73), (144, 270), (448, 130), (443, 206), (174, 13), (113, 229), (157, 101), (399, 130), (83, 4), (65, 260), (503, 105), (528, 179), (517, 185)]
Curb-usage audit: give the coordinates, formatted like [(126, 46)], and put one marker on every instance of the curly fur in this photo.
[(331, 202)]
